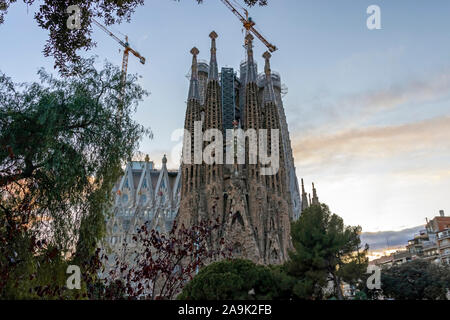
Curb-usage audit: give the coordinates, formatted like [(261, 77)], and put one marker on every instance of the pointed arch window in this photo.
[(238, 217), (237, 249), (274, 255)]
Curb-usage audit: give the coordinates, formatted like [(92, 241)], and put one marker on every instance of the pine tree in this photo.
[(325, 250)]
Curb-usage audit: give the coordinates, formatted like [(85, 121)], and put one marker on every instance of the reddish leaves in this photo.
[(165, 263)]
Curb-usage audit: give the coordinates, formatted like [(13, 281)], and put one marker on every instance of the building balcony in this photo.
[(444, 234), (431, 257), (444, 244), (429, 246)]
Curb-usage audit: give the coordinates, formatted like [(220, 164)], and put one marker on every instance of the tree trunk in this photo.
[(337, 287)]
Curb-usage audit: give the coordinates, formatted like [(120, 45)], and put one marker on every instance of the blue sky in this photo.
[(368, 111)]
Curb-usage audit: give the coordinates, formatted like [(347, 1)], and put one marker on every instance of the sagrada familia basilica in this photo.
[(253, 210)]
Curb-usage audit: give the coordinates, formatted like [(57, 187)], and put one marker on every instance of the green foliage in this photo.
[(236, 280), (416, 280), (284, 288), (41, 276), (360, 295), (62, 146), (325, 250), (115, 290)]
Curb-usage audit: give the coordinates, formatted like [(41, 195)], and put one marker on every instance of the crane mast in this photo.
[(126, 53), (249, 25)]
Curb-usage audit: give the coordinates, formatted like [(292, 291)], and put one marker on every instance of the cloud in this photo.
[(415, 91), (389, 239), (431, 175), (327, 112), (419, 139)]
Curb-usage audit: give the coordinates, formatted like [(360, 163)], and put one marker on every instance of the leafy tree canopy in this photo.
[(325, 250), (416, 280), (236, 279), (62, 146), (64, 43)]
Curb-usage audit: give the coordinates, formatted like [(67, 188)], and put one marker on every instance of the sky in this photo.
[(368, 110)]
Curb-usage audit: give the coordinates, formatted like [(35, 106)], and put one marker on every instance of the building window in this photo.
[(237, 249)]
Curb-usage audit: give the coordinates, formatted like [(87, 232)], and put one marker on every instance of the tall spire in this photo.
[(194, 92), (315, 199), (269, 93), (251, 70), (213, 68), (305, 203)]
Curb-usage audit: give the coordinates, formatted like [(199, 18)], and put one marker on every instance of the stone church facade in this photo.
[(144, 194), (253, 210)]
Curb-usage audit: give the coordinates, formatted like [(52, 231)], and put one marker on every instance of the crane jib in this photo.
[(249, 24)]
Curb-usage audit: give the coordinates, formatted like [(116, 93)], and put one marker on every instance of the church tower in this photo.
[(191, 166), (277, 227), (213, 169), (252, 205), (257, 195)]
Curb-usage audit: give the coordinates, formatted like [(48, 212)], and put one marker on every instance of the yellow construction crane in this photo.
[(249, 25), (126, 51)]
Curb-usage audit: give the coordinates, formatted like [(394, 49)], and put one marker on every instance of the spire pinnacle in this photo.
[(305, 203), (315, 199), (213, 68), (267, 57), (251, 70), (194, 51), (194, 93), (269, 93)]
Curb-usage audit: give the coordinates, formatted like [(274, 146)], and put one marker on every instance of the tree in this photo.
[(325, 250), (237, 279), (157, 266), (360, 295), (62, 147), (416, 280), (63, 43)]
